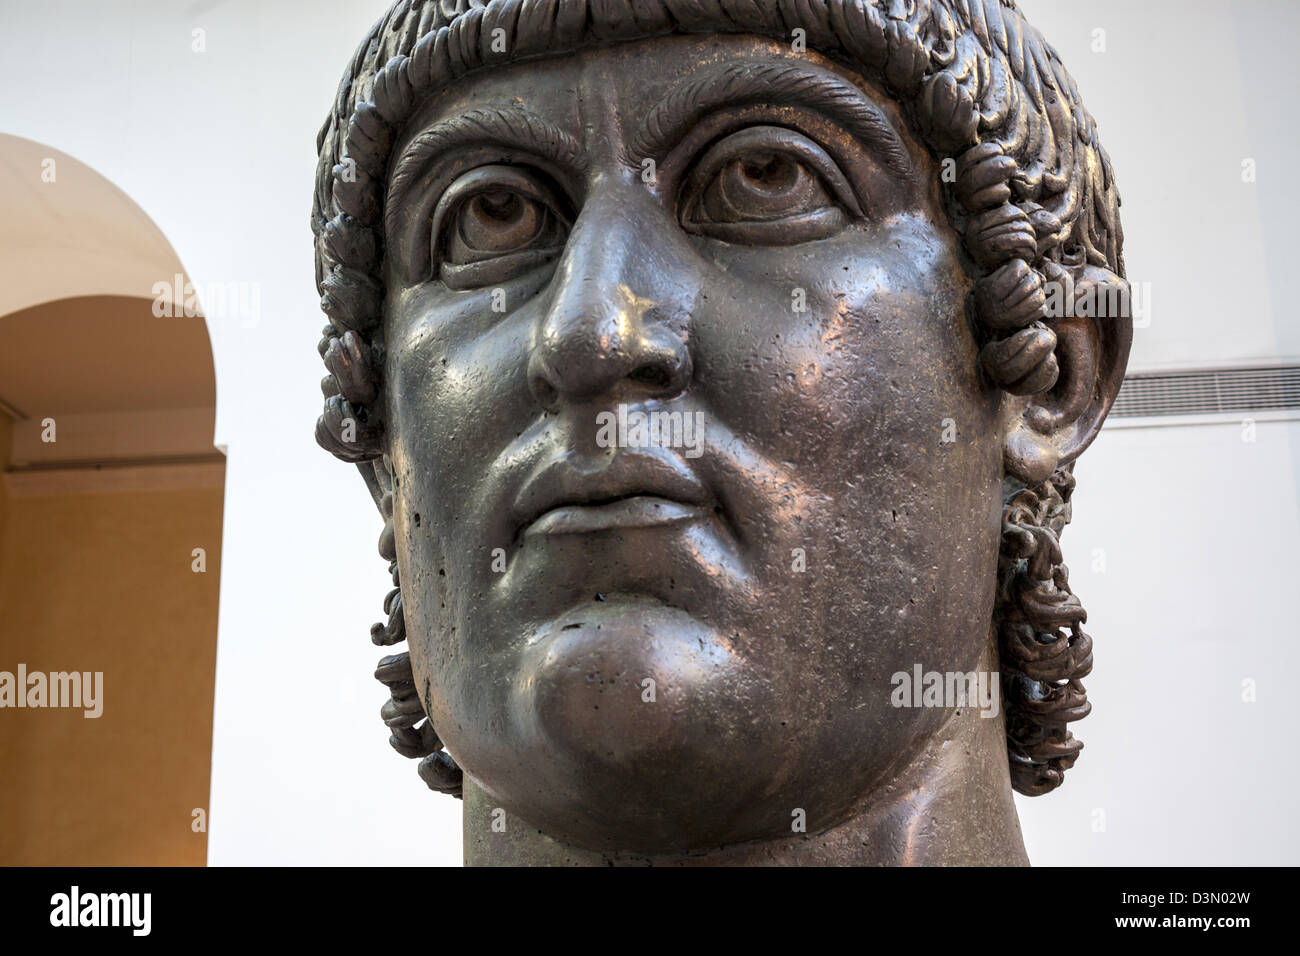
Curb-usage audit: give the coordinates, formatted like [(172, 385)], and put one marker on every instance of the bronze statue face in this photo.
[(712, 366), (794, 284)]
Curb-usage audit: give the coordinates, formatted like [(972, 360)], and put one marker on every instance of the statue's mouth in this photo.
[(630, 490), (632, 511)]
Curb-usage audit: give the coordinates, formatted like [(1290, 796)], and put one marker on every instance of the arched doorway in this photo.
[(110, 530)]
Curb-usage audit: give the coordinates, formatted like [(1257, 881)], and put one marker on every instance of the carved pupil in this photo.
[(499, 221), (770, 171), (763, 186)]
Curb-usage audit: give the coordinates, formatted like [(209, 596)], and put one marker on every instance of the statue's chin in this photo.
[(635, 719)]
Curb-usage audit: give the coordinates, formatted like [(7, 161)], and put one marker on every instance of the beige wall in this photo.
[(103, 582), (6, 440), (96, 575)]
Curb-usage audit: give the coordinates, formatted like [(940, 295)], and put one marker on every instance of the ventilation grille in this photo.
[(1209, 392)]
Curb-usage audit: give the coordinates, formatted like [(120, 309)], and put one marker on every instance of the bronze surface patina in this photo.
[(719, 368)]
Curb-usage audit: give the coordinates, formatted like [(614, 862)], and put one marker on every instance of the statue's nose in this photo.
[(607, 332)]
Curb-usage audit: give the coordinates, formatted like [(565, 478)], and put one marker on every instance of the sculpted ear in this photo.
[(1067, 366)]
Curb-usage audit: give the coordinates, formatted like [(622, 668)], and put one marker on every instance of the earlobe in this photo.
[(1088, 314)]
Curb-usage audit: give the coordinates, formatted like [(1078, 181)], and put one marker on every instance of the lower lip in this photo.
[(643, 511)]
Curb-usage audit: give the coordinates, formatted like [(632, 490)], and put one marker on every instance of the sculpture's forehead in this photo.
[(606, 97)]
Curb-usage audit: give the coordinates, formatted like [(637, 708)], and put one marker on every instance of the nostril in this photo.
[(653, 375), (546, 393)]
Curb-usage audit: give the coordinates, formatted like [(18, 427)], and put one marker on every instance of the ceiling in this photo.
[(103, 354), (67, 231)]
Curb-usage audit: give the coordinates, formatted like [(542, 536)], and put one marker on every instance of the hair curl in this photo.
[(1028, 188)]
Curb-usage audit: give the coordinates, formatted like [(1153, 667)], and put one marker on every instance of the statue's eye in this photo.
[(767, 186), (494, 223)]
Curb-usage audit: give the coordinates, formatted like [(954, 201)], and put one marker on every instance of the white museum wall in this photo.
[(1183, 551), (218, 148)]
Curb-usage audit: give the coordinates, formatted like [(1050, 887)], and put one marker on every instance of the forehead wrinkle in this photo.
[(513, 127), (784, 84)]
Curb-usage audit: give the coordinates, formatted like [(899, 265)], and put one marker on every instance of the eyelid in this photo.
[(476, 275), (773, 139)]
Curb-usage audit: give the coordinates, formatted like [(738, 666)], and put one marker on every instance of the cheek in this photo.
[(857, 344), (872, 395), (455, 379), (456, 394)]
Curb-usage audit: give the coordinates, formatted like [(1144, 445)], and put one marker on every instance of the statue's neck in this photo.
[(952, 806)]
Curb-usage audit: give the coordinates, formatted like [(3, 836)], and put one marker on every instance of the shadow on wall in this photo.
[(110, 535)]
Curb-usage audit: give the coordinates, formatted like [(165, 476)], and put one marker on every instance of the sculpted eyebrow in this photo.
[(777, 84), (513, 127)]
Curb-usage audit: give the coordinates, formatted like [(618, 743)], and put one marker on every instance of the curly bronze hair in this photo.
[(1027, 187)]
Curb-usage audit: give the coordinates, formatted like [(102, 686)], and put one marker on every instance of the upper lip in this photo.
[(563, 483)]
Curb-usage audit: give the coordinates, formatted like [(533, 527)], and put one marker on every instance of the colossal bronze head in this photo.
[(719, 369)]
